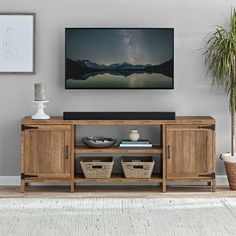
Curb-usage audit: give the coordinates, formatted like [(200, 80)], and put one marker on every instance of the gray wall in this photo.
[(192, 20)]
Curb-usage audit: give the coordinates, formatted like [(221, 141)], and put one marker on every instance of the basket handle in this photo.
[(137, 167), (97, 167)]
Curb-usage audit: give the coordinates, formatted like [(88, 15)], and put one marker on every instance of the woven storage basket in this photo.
[(231, 174), (137, 167), (97, 167)]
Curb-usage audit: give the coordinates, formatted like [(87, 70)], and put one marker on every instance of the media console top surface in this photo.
[(179, 120)]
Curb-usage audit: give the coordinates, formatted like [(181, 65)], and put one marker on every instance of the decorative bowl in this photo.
[(98, 142)]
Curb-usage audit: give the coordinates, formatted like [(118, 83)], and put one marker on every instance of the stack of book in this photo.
[(142, 143)]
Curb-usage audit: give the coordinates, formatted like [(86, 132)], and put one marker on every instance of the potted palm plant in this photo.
[(220, 57)]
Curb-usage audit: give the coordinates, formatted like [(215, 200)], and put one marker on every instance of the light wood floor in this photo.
[(114, 192)]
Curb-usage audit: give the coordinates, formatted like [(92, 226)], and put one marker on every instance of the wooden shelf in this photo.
[(118, 178), (48, 180), (82, 149)]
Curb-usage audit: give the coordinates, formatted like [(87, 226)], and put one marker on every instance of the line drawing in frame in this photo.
[(17, 43)]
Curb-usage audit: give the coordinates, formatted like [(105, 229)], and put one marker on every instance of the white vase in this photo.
[(134, 135)]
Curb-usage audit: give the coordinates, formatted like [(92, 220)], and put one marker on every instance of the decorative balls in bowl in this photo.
[(98, 142)]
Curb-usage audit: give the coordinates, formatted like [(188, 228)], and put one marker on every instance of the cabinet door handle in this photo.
[(168, 151), (67, 152)]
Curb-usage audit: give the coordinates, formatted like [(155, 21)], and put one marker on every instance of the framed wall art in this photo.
[(17, 43)]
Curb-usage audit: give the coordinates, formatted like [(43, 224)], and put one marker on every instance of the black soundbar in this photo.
[(119, 115)]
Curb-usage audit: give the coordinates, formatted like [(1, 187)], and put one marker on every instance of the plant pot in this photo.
[(230, 167)]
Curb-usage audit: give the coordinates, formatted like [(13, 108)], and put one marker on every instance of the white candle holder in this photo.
[(40, 115)]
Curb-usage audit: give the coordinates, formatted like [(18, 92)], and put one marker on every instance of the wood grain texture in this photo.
[(55, 120), (163, 159), (82, 149), (118, 178), (49, 179), (46, 151), (189, 151), (114, 191), (22, 160), (50, 151), (214, 159), (72, 158)]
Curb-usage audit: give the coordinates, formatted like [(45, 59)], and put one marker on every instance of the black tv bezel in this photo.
[(120, 28)]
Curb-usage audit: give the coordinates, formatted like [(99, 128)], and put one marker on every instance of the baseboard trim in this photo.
[(15, 181), (9, 180), (221, 180)]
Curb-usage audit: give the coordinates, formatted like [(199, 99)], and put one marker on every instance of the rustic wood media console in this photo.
[(186, 149)]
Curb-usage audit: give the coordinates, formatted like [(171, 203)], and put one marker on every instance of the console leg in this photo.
[(214, 185), (163, 186), (22, 186), (72, 187)]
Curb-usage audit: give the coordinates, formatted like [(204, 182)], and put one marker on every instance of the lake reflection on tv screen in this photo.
[(119, 58), (133, 81)]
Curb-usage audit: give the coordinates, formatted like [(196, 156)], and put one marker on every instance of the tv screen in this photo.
[(119, 58)]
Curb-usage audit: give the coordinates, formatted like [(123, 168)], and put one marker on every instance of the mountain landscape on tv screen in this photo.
[(119, 58), (84, 69)]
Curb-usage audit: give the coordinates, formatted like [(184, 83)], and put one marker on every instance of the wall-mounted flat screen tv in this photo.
[(119, 58)]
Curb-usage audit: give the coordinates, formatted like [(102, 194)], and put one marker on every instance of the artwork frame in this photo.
[(17, 43)]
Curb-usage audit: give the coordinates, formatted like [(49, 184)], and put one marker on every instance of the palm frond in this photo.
[(220, 58)]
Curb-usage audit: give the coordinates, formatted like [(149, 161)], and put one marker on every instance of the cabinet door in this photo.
[(47, 150), (189, 151)]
